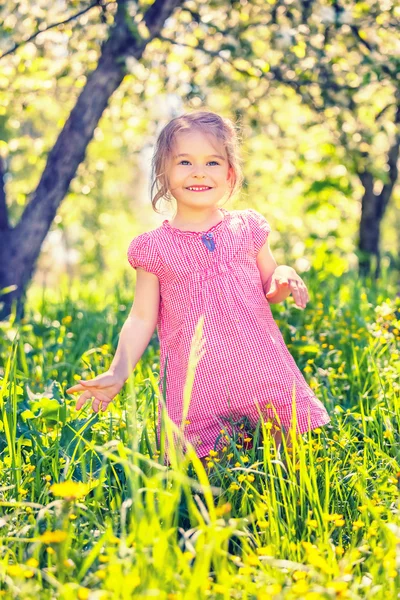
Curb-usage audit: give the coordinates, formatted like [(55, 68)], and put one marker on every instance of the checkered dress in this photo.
[(246, 362)]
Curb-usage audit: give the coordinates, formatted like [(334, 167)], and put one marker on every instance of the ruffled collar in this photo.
[(212, 229)]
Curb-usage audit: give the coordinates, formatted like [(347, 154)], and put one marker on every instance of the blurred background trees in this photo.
[(86, 87)]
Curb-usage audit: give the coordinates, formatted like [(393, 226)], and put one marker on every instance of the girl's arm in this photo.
[(138, 328), (134, 337)]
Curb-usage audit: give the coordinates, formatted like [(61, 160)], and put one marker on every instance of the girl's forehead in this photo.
[(197, 142)]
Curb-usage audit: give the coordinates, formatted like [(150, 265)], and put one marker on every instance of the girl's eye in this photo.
[(211, 161)]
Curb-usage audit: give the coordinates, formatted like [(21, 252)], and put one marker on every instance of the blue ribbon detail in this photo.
[(208, 241)]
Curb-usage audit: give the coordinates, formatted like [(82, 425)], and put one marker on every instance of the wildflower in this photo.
[(213, 453), (187, 422), (358, 524), (47, 477), (69, 563), (241, 478), (70, 490), (32, 562), (299, 575), (53, 537), (229, 456), (103, 558), (101, 574), (339, 550), (250, 478), (219, 588), (234, 487), (83, 593), (262, 524), (15, 570), (312, 523), (223, 509)]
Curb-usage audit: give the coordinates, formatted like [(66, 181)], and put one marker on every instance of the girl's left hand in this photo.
[(286, 278)]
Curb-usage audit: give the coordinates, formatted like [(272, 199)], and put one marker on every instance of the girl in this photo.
[(217, 263)]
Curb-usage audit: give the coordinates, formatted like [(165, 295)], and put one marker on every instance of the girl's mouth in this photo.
[(198, 188)]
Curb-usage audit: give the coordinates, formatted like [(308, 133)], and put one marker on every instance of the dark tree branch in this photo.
[(32, 37)]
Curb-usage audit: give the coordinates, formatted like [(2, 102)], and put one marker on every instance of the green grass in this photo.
[(321, 521)]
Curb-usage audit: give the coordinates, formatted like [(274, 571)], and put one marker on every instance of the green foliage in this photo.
[(318, 518)]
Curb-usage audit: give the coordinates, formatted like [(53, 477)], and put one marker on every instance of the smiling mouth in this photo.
[(198, 188)]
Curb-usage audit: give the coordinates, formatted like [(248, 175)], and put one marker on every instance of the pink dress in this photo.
[(246, 361)]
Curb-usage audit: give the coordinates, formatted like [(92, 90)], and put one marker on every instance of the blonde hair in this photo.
[(206, 122)]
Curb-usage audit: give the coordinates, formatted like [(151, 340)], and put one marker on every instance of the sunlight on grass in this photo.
[(89, 509)]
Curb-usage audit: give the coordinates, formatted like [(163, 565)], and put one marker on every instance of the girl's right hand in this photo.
[(104, 388)]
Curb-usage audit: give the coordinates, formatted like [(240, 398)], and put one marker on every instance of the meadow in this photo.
[(90, 511)]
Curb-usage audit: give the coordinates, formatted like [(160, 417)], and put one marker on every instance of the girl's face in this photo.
[(199, 174)]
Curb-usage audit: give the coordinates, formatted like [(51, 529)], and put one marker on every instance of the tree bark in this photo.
[(373, 207), (20, 246)]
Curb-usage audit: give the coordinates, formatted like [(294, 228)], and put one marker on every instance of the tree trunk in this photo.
[(373, 207), (20, 246)]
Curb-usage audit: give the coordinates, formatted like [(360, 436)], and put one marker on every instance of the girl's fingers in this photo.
[(100, 400), (75, 388), (297, 294), (82, 399)]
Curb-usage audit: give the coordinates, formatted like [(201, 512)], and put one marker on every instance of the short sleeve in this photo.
[(259, 228), (142, 252)]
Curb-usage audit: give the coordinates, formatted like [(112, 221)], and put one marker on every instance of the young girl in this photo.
[(217, 263)]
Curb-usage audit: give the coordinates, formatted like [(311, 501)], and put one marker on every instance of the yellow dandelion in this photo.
[(83, 593), (70, 489), (234, 487), (297, 575), (32, 562), (53, 537), (15, 571)]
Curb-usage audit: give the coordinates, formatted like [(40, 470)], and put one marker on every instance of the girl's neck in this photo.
[(197, 221)]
